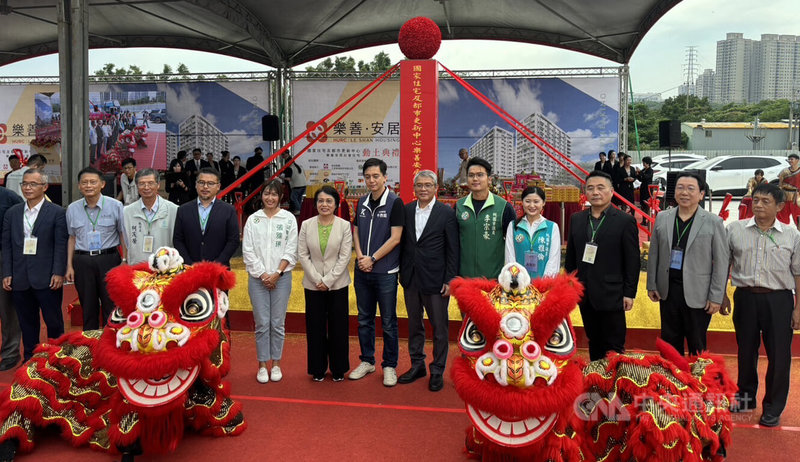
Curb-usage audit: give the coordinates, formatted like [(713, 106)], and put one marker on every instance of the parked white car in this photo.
[(729, 174)]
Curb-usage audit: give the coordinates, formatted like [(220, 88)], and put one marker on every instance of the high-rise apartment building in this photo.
[(704, 85), (756, 70), (530, 158), (197, 132), (497, 148)]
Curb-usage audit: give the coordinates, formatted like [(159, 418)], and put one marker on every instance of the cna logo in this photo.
[(319, 133), (3, 136)]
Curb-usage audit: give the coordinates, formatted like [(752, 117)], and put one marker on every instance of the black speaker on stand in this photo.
[(270, 128)]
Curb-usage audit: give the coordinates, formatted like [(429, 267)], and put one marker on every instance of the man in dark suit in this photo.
[(8, 316), (35, 249), (206, 229), (603, 246), (601, 164), (193, 167), (428, 261)]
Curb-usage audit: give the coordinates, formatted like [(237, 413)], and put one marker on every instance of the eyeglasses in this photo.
[(147, 184), (424, 185), (26, 184), (476, 175), (207, 183)]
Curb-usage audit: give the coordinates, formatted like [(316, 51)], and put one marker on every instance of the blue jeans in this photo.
[(377, 289), (269, 314), (296, 198)]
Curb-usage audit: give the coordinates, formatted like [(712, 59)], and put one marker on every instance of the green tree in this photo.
[(182, 69), (379, 63)]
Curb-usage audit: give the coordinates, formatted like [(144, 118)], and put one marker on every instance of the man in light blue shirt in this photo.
[(95, 226)]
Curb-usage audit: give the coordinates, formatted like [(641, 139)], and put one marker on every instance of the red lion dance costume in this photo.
[(529, 399), (131, 387)]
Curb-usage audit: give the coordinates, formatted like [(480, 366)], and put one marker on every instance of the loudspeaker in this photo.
[(672, 178), (269, 128), (669, 133)]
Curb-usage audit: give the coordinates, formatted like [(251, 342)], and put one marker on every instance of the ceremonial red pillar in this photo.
[(419, 121)]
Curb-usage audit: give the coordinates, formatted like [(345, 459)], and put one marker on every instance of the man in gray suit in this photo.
[(687, 268)]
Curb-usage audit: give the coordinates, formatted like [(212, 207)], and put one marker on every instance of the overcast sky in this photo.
[(657, 64)]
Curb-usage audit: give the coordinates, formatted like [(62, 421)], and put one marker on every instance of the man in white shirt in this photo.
[(128, 193), (150, 221), (428, 261), (14, 179)]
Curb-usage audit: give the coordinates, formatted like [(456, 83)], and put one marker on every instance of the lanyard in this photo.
[(30, 226), (768, 236), (97, 217), (150, 221), (678, 229), (204, 220), (532, 238), (591, 224)]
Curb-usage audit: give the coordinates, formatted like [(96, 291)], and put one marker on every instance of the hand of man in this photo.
[(321, 286), (796, 318), (654, 295), (712, 307), (70, 276), (56, 282), (365, 264), (445, 290), (7, 283), (725, 307), (627, 303)]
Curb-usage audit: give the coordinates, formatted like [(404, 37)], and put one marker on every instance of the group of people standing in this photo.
[(624, 175)]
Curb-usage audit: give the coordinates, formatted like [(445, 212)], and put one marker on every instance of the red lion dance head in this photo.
[(157, 365), (515, 375), (530, 399)]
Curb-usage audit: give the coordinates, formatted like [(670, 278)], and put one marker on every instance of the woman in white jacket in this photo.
[(269, 251), (325, 249)]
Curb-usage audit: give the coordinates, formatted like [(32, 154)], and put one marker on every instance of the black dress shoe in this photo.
[(412, 374), (436, 382), (6, 365), (767, 420)]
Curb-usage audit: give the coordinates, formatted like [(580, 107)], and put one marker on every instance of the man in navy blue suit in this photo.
[(206, 229), (8, 316), (35, 260)]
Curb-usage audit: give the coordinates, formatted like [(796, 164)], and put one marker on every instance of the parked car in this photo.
[(159, 116), (678, 161), (729, 174), (677, 156), (660, 171)]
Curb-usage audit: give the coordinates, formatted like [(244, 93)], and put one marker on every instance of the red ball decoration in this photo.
[(419, 38)]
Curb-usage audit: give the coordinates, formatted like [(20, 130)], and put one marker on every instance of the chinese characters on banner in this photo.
[(419, 108)]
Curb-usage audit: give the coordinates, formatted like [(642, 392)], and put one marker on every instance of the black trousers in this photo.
[(28, 302), (327, 331), (679, 321), (436, 307), (90, 282), (605, 330), (9, 328), (768, 316)]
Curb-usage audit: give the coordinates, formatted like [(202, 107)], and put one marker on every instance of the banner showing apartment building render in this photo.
[(577, 116)]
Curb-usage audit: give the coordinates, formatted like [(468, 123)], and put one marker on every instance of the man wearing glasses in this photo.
[(95, 231), (482, 221), (428, 261), (206, 229), (150, 221), (34, 263)]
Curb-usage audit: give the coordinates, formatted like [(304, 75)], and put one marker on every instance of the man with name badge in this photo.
[(96, 228), (603, 246), (35, 260), (688, 266), (150, 221)]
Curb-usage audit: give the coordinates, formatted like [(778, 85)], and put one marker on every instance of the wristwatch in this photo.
[(373, 259), (280, 273)]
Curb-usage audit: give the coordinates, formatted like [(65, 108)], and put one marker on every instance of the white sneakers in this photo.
[(263, 375), (389, 377), (363, 369)]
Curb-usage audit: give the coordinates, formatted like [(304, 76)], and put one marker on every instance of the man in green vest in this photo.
[(482, 219)]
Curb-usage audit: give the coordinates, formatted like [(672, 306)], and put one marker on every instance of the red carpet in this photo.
[(363, 420)]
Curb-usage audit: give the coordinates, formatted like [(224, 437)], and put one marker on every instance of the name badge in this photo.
[(676, 259), (532, 263), (94, 240), (147, 244), (589, 253), (29, 247)]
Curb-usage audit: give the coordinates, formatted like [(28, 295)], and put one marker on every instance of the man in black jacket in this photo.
[(603, 246), (428, 261)]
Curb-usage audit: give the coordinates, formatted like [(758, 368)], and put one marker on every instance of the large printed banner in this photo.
[(148, 121), (577, 116)]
